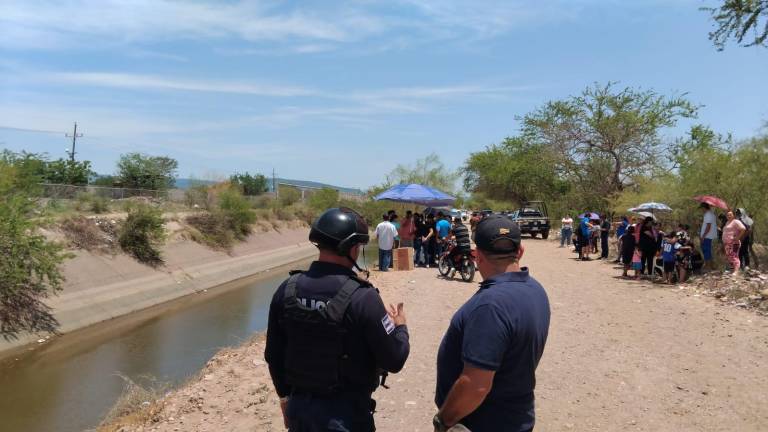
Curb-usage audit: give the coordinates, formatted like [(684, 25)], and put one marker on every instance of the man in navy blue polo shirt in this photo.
[(488, 357)]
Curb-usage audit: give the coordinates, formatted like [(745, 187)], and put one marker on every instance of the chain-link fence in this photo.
[(63, 191)]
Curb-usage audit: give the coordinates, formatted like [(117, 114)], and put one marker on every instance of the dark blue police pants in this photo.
[(307, 413)]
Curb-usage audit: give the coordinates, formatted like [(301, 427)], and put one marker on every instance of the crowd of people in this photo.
[(648, 248), (427, 233), (331, 341)]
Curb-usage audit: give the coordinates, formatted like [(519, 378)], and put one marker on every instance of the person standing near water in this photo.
[(329, 334), (486, 363), (385, 237)]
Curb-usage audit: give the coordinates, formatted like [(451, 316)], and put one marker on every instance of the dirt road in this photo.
[(621, 355)]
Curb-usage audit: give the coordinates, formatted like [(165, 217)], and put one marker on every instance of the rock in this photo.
[(764, 293), (257, 362)]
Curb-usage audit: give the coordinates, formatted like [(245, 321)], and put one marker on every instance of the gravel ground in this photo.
[(622, 355)]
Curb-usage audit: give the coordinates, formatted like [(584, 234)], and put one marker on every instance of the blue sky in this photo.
[(342, 91)]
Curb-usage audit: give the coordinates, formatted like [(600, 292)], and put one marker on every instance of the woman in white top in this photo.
[(566, 231)]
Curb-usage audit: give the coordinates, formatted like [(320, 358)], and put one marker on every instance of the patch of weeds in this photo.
[(95, 235), (142, 234), (137, 405)]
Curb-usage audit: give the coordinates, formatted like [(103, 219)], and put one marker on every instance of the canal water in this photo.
[(69, 384)]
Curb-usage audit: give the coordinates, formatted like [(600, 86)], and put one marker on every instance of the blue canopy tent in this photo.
[(416, 194)]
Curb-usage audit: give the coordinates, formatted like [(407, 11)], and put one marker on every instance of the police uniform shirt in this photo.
[(502, 328), (373, 341)]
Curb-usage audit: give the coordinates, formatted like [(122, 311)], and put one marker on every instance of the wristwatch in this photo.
[(437, 422)]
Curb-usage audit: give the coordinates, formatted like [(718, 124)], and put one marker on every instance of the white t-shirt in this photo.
[(709, 218), (567, 222), (385, 235)]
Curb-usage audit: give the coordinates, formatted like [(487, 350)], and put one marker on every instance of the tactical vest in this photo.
[(315, 352)]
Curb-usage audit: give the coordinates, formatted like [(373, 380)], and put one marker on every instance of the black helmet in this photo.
[(339, 229)]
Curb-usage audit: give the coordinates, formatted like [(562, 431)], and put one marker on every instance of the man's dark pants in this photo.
[(307, 413), (579, 243), (744, 252), (431, 247), (604, 245)]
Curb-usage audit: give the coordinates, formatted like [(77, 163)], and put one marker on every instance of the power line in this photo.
[(74, 137)]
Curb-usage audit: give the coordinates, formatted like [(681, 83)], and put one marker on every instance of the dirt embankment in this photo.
[(622, 355), (101, 285)]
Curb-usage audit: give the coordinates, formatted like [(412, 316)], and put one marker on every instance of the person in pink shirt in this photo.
[(407, 230), (733, 232)]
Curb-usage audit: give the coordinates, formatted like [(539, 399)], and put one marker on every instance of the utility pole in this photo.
[(74, 137), (274, 184)]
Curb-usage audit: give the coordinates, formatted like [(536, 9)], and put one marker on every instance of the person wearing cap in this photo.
[(329, 335), (487, 359)]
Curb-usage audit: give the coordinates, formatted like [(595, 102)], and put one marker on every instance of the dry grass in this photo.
[(137, 405), (94, 235)]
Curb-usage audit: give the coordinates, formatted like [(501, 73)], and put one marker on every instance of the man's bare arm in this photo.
[(467, 393)]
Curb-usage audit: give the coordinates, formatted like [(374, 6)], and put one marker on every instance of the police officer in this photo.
[(329, 337), (486, 363)]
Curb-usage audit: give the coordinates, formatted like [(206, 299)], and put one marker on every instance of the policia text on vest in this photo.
[(330, 337)]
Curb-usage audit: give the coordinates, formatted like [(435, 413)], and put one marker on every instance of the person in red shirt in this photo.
[(407, 230)]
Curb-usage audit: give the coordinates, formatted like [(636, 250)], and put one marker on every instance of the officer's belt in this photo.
[(341, 394)]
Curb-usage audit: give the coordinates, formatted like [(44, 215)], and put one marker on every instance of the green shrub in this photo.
[(197, 196), (289, 195), (211, 229), (99, 204), (29, 268), (237, 212), (231, 221), (265, 214), (82, 201), (285, 213), (262, 202), (142, 234), (54, 205), (324, 199), (305, 214)]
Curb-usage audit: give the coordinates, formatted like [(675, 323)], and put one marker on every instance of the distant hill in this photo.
[(186, 183), (313, 184)]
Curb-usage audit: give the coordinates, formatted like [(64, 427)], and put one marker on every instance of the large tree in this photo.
[(514, 170), (429, 171), (140, 171), (250, 185), (67, 171), (746, 21), (605, 125)]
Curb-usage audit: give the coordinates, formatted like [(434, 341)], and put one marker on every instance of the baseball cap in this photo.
[(497, 234)]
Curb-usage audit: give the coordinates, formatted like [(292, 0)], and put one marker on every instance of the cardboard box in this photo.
[(402, 259)]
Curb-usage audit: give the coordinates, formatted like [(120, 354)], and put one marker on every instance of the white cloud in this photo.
[(305, 28), (56, 24), (400, 98), (150, 82)]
